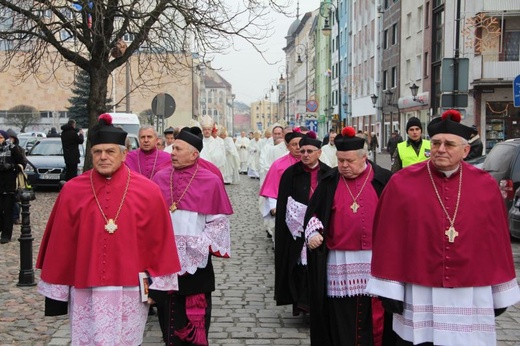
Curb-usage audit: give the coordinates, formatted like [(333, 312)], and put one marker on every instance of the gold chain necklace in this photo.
[(173, 207), (355, 206), (451, 233), (154, 163), (110, 225)]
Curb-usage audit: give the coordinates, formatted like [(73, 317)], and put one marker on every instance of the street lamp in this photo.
[(302, 48), (374, 100), (326, 11), (414, 89)]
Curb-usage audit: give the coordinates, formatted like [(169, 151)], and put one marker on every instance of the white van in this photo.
[(128, 121)]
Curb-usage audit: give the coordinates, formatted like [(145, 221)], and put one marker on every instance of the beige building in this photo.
[(132, 89), (264, 114)]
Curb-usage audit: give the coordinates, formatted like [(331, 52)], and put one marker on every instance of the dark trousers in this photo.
[(6, 215), (71, 171)]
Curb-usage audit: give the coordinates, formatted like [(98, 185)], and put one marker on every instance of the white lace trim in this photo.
[(168, 282), (218, 233), (52, 291), (313, 226), (348, 273), (294, 217)]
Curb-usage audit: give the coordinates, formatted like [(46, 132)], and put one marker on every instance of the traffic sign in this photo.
[(312, 106), (516, 91), (448, 73), (449, 100), (163, 105)]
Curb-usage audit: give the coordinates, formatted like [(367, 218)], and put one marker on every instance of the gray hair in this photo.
[(148, 127)]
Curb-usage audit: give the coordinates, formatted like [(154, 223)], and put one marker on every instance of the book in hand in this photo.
[(144, 284)]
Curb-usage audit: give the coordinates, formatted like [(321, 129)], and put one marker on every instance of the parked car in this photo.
[(46, 167), (27, 142), (514, 216), (477, 161), (503, 163)]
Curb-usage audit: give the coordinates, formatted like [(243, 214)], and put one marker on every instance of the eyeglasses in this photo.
[(435, 143), (308, 151)]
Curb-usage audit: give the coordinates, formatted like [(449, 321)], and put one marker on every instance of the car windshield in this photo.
[(47, 148)]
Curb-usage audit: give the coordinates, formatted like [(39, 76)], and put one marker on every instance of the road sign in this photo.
[(163, 105), (448, 72), (312, 106), (312, 125), (449, 100), (516, 91)]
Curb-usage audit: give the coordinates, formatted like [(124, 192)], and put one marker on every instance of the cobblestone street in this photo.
[(244, 312)]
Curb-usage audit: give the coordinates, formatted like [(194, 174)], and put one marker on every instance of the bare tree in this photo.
[(22, 116), (100, 36)]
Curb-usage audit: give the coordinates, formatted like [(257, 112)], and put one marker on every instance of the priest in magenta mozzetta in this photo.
[(442, 261), (199, 210), (98, 242)]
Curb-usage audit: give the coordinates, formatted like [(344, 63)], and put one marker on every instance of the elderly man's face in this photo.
[(183, 154), (107, 158), (447, 151), (147, 139), (350, 164), (309, 155)]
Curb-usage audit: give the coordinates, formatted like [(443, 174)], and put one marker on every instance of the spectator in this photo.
[(71, 138)]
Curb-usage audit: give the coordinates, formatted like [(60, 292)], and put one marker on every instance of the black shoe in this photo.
[(4, 241), (269, 235)]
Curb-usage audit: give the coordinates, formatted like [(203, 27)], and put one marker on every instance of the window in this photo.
[(420, 18), (65, 35), (408, 24), (385, 39), (427, 15), (510, 46), (407, 72), (394, 33), (418, 67), (128, 37), (425, 65), (385, 80), (394, 77)]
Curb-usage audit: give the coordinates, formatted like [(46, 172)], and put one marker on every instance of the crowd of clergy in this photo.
[(368, 256)]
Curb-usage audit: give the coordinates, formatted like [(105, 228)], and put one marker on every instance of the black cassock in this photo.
[(290, 285), (323, 325)]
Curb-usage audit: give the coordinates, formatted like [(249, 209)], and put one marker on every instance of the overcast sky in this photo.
[(246, 70)]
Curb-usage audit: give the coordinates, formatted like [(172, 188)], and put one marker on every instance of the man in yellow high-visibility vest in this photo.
[(415, 149)]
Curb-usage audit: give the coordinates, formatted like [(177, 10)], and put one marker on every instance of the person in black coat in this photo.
[(71, 138), (476, 146), (297, 184), (10, 159), (338, 224)]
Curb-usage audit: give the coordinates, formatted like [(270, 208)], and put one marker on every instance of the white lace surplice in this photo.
[(447, 316), (348, 272), (196, 234), (102, 315), (294, 217)]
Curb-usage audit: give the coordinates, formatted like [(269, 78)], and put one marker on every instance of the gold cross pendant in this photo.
[(451, 233), (173, 207), (111, 226), (354, 206)]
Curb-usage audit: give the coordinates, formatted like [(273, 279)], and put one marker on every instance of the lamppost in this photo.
[(302, 48), (414, 89), (326, 11), (283, 69)]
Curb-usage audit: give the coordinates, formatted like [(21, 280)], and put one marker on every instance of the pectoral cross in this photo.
[(451, 233), (354, 206), (173, 207), (111, 226)]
